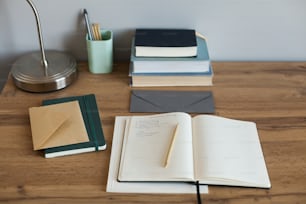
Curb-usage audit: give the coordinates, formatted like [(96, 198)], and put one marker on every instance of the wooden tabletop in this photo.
[(272, 94)]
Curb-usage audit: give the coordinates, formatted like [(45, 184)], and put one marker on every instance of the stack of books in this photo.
[(169, 57)]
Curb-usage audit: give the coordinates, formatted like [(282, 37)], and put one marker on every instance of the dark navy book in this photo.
[(165, 43)]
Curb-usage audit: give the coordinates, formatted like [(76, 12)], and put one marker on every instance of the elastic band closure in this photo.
[(91, 122)]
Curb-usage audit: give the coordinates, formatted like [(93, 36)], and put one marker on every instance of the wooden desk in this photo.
[(271, 94)]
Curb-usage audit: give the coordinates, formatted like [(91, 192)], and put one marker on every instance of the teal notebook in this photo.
[(93, 126)]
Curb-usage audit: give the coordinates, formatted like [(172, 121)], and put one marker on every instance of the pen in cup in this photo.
[(90, 36)]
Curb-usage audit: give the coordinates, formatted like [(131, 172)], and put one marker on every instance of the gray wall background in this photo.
[(255, 30)]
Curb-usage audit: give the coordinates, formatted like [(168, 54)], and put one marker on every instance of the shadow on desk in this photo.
[(2, 82), (3, 78)]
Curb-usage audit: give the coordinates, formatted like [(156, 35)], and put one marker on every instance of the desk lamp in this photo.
[(43, 71)]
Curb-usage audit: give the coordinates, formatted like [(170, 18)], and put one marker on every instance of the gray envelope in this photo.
[(172, 101)]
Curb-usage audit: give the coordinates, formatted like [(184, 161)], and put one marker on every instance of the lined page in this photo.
[(228, 152), (146, 144)]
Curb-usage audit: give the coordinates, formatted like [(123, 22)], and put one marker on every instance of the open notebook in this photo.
[(113, 185), (209, 149)]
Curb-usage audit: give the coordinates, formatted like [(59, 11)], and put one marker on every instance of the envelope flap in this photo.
[(170, 101), (57, 125), (44, 122)]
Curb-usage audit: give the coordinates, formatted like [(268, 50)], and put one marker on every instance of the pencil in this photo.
[(171, 146), (96, 31)]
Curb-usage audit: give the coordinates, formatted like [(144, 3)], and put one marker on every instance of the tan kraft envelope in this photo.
[(57, 125)]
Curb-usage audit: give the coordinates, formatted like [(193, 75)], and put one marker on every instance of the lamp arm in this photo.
[(43, 55)]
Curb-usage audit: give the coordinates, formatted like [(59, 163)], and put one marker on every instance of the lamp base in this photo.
[(30, 75)]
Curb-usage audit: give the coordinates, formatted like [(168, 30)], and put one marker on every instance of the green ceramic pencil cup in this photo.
[(100, 53)]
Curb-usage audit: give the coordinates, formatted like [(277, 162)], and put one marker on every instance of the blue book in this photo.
[(197, 64), (132, 72), (170, 79)]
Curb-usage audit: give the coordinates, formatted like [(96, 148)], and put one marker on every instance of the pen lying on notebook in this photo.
[(171, 146)]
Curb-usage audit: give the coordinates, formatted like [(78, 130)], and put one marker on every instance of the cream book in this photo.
[(177, 147)]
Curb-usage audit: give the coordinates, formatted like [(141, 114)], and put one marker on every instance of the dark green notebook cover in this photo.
[(93, 126)]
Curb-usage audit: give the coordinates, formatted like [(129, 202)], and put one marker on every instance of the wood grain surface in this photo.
[(272, 94)]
